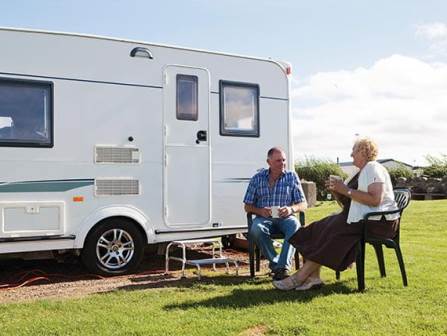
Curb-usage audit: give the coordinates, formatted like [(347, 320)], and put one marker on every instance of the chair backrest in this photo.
[(402, 197)]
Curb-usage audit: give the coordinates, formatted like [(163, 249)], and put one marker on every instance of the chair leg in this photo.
[(337, 275), (258, 259), (400, 259), (379, 253), (251, 257), (297, 260), (360, 265)]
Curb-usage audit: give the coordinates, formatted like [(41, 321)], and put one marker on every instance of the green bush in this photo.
[(438, 166), (400, 171), (318, 171)]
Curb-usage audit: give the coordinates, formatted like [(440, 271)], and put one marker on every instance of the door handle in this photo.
[(201, 136)]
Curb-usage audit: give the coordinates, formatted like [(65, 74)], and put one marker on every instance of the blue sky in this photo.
[(376, 68)]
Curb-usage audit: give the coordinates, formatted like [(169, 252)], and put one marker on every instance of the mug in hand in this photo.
[(333, 179), (275, 211)]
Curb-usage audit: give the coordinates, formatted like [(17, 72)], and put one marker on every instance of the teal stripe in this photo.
[(43, 186)]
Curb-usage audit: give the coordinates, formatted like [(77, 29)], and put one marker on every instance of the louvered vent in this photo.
[(114, 154), (117, 186)]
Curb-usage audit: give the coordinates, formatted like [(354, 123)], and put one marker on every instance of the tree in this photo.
[(400, 171), (437, 167)]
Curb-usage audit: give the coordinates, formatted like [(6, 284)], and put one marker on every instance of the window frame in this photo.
[(196, 81), (38, 83), (247, 134)]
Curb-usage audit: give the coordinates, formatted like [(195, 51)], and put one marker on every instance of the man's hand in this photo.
[(285, 211), (264, 212)]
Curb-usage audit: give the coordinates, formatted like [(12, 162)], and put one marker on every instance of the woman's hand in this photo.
[(373, 197), (337, 186)]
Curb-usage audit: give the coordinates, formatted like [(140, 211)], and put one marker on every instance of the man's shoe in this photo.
[(280, 274)]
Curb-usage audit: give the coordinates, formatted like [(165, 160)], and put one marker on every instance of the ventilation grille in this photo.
[(117, 186), (113, 154)]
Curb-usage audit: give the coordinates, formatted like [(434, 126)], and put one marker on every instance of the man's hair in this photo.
[(274, 150)]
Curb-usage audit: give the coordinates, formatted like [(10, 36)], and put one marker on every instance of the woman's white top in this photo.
[(373, 172)]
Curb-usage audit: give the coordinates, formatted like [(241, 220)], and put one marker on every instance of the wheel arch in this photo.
[(133, 215)]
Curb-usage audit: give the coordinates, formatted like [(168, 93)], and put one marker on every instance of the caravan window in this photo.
[(25, 113), (187, 95), (239, 109)]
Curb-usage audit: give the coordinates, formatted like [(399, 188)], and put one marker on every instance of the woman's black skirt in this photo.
[(332, 242)]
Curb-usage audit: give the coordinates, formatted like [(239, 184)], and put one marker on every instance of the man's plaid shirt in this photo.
[(286, 191)]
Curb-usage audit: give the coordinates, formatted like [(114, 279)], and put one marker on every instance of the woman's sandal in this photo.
[(286, 284), (310, 284)]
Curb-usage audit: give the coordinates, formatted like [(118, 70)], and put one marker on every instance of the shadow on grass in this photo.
[(169, 281), (256, 294), (246, 298)]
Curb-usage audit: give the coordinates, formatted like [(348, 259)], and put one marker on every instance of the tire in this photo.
[(228, 240), (113, 247)]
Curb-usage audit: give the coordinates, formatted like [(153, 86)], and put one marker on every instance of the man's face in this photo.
[(277, 162)]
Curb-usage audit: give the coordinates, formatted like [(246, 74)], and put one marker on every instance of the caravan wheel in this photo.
[(228, 241), (114, 247)]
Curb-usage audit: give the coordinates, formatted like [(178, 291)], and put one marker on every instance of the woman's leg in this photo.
[(316, 274), (309, 269)]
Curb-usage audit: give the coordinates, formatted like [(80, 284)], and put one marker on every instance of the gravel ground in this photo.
[(55, 280)]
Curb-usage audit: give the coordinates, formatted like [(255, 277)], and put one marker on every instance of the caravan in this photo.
[(108, 145)]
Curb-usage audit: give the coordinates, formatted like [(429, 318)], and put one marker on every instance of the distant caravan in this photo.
[(108, 145)]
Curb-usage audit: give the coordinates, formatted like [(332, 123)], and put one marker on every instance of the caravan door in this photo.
[(187, 162)]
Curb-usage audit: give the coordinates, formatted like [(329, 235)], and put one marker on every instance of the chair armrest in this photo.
[(380, 213), (302, 218), (377, 213)]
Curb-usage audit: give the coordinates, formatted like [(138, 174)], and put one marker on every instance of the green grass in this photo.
[(228, 305)]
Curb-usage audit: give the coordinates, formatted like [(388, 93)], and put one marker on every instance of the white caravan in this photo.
[(108, 145)]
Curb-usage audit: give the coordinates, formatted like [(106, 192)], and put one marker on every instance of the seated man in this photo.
[(275, 187)]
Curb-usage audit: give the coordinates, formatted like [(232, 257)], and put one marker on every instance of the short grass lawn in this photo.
[(229, 305)]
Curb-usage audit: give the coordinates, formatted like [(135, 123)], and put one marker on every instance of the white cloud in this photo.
[(400, 101), (436, 34), (432, 31)]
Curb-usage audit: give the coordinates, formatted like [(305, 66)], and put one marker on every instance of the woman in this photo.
[(331, 241)]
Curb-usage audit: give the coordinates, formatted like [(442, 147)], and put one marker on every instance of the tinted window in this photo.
[(25, 113), (187, 92), (239, 109)]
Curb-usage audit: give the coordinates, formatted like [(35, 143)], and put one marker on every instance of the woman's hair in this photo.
[(368, 148)]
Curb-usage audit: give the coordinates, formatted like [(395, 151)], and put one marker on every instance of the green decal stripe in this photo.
[(44, 186)]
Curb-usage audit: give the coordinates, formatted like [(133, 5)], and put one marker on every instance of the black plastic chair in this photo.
[(402, 197), (254, 254)]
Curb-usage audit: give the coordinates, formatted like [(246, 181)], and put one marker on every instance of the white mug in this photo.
[(333, 179), (275, 211)]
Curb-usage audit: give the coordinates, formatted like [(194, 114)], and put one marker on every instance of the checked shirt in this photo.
[(286, 191)]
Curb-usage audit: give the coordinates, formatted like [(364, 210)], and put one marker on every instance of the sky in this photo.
[(360, 68)]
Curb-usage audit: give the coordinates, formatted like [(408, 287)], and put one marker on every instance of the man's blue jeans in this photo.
[(260, 232)]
